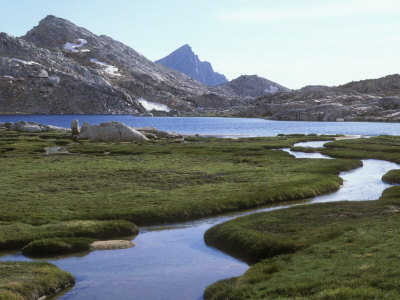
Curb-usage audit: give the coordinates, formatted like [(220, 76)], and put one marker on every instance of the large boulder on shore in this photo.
[(111, 132)]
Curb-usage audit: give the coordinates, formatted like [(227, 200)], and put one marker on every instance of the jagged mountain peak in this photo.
[(53, 19), (187, 62), (185, 47)]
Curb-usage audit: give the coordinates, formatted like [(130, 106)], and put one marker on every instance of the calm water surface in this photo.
[(219, 126), (173, 262)]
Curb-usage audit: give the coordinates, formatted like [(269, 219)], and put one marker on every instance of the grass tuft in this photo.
[(23, 280), (56, 246)]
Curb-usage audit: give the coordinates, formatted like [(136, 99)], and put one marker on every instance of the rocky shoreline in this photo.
[(105, 132)]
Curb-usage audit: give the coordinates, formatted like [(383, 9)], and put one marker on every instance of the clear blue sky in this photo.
[(292, 42)]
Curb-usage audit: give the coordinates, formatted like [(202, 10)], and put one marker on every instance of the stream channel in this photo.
[(173, 262)]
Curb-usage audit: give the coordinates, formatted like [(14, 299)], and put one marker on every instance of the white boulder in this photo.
[(111, 132)]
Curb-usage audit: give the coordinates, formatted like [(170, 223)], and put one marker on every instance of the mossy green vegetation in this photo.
[(377, 147), (22, 280), (342, 250), (14, 235), (159, 182), (56, 246), (393, 176), (304, 149), (57, 203)]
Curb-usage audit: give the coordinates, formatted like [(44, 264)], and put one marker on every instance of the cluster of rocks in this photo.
[(105, 132), (30, 127), (118, 132)]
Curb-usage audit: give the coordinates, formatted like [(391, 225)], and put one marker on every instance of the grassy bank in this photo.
[(14, 235), (378, 147), (342, 250), (21, 280), (392, 177)]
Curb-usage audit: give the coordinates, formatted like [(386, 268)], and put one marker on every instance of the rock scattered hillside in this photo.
[(187, 62), (37, 80), (366, 100), (58, 67)]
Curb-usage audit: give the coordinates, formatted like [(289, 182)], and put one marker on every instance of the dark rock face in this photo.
[(58, 67), (253, 86), (366, 100), (184, 60)]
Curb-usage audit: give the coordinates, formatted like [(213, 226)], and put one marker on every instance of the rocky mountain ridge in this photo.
[(37, 80), (365, 100), (187, 62), (92, 74), (60, 68)]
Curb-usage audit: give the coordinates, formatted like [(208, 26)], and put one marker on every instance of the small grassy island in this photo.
[(54, 204)]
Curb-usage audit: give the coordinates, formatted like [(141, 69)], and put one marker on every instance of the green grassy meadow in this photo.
[(341, 250), (53, 204)]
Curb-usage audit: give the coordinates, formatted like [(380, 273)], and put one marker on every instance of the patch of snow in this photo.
[(73, 47), (149, 106), (272, 89), (29, 63), (111, 70), (8, 76)]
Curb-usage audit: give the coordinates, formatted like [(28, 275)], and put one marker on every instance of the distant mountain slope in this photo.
[(365, 100), (187, 62), (253, 85)]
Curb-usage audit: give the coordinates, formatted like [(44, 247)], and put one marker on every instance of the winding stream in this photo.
[(173, 262)]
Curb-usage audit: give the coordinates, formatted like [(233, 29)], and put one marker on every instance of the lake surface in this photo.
[(172, 262), (219, 126)]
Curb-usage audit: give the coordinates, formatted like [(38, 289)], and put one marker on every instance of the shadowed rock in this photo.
[(75, 127)]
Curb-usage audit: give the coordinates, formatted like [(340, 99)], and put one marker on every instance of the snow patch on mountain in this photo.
[(149, 106), (29, 63), (111, 70), (272, 89), (73, 47)]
